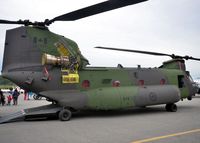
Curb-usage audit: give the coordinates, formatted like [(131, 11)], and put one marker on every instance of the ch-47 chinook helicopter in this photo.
[(52, 66)]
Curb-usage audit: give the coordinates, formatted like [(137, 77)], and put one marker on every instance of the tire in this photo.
[(65, 115), (171, 107), (189, 97)]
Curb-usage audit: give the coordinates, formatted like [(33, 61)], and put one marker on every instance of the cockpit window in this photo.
[(181, 82)]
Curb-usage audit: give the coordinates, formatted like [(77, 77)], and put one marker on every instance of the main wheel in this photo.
[(189, 97), (171, 107), (65, 115)]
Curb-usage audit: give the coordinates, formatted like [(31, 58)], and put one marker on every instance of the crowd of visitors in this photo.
[(11, 95)]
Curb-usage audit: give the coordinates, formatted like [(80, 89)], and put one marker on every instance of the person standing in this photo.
[(9, 98), (2, 98), (0, 95), (15, 96), (25, 95)]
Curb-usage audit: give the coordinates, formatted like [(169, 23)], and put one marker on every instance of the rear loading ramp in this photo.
[(32, 113), (17, 116)]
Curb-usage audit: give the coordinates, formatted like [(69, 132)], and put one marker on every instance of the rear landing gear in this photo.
[(171, 107), (65, 115)]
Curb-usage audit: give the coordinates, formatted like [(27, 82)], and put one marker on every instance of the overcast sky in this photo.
[(169, 26)]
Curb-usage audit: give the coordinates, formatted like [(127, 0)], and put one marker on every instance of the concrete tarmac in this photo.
[(152, 124)]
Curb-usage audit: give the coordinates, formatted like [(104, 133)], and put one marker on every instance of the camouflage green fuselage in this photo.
[(90, 87)]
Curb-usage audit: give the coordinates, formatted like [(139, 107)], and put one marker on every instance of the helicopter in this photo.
[(52, 66)]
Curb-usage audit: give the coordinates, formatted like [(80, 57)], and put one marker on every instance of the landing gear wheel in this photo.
[(65, 115), (189, 97), (171, 107)]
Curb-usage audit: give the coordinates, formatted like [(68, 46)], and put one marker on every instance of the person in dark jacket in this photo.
[(2, 98), (15, 96)]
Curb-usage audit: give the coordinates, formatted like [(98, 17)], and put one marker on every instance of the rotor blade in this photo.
[(136, 51), (94, 9), (8, 22), (151, 53), (191, 58), (24, 22), (197, 59)]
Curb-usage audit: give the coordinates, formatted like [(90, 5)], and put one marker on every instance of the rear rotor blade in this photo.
[(24, 22), (94, 9), (81, 13), (8, 22)]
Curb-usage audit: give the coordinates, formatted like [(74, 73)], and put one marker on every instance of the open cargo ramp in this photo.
[(32, 113)]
